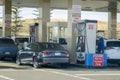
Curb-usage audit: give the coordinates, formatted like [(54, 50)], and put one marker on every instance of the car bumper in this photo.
[(8, 55), (55, 60), (114, 61)]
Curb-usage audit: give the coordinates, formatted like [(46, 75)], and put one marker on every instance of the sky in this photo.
[(62, 14)]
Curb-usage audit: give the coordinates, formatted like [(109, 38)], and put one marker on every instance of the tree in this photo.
[(16, 20), (36, 13)]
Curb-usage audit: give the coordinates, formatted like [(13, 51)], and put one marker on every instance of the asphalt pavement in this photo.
[(9, 70)]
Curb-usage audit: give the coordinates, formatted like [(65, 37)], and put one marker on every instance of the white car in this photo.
[(112, 49)]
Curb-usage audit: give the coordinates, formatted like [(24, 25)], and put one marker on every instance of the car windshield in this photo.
[(50, 46), (6, 41), (113, 44)]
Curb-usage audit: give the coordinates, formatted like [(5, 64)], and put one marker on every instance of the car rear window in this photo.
[(6, 41), (51, 46), (113, 44)]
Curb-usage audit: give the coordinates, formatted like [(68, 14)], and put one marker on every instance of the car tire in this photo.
[(118, 64), (14, 58), (35, 63), (63, 65), (18, 62), (2, 58)]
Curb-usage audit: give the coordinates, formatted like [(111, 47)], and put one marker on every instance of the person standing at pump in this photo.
[(101, 45), (25, 44)]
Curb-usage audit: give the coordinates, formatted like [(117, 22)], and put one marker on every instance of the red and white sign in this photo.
[(98, 60), (90, 26), (33, 29), (76, 13)]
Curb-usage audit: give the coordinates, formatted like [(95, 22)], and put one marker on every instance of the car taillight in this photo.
[(67, 53), (46, 52)]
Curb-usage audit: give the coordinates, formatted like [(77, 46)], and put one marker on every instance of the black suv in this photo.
[(8, 49)]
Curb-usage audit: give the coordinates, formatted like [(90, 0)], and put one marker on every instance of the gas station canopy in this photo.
[(87, 5), (74, 7)]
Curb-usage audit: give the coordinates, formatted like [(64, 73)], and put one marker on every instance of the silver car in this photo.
[(40, 53)]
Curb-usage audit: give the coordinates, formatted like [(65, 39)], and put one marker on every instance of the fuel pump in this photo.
[(33, 29), (86, 39), (56, 32)]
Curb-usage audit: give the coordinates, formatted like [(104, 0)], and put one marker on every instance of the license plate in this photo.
[(57, 54), (7, 53), (81, 57)]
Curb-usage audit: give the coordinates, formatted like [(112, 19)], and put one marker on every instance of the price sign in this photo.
[(98, 60), (91, 26)]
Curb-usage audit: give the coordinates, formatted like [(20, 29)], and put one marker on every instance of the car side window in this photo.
[(33, 47), (42, 47), (113, 44), (6, 41)]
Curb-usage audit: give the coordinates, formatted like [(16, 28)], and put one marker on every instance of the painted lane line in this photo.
[(40, 70), (4, 77), (65, 74), (97, 74)]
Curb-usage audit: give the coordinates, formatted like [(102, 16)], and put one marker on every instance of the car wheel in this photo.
[(35, 63), (118, 64), (63, 65), (18, 62), (14, 58), (2, 58)]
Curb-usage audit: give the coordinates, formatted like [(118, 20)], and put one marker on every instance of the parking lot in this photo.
[(11, 71)]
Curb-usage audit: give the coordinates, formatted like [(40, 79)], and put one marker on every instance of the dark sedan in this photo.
[(40, 53)]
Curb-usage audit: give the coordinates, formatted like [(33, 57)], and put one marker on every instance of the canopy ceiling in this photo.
[(87, 5)]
